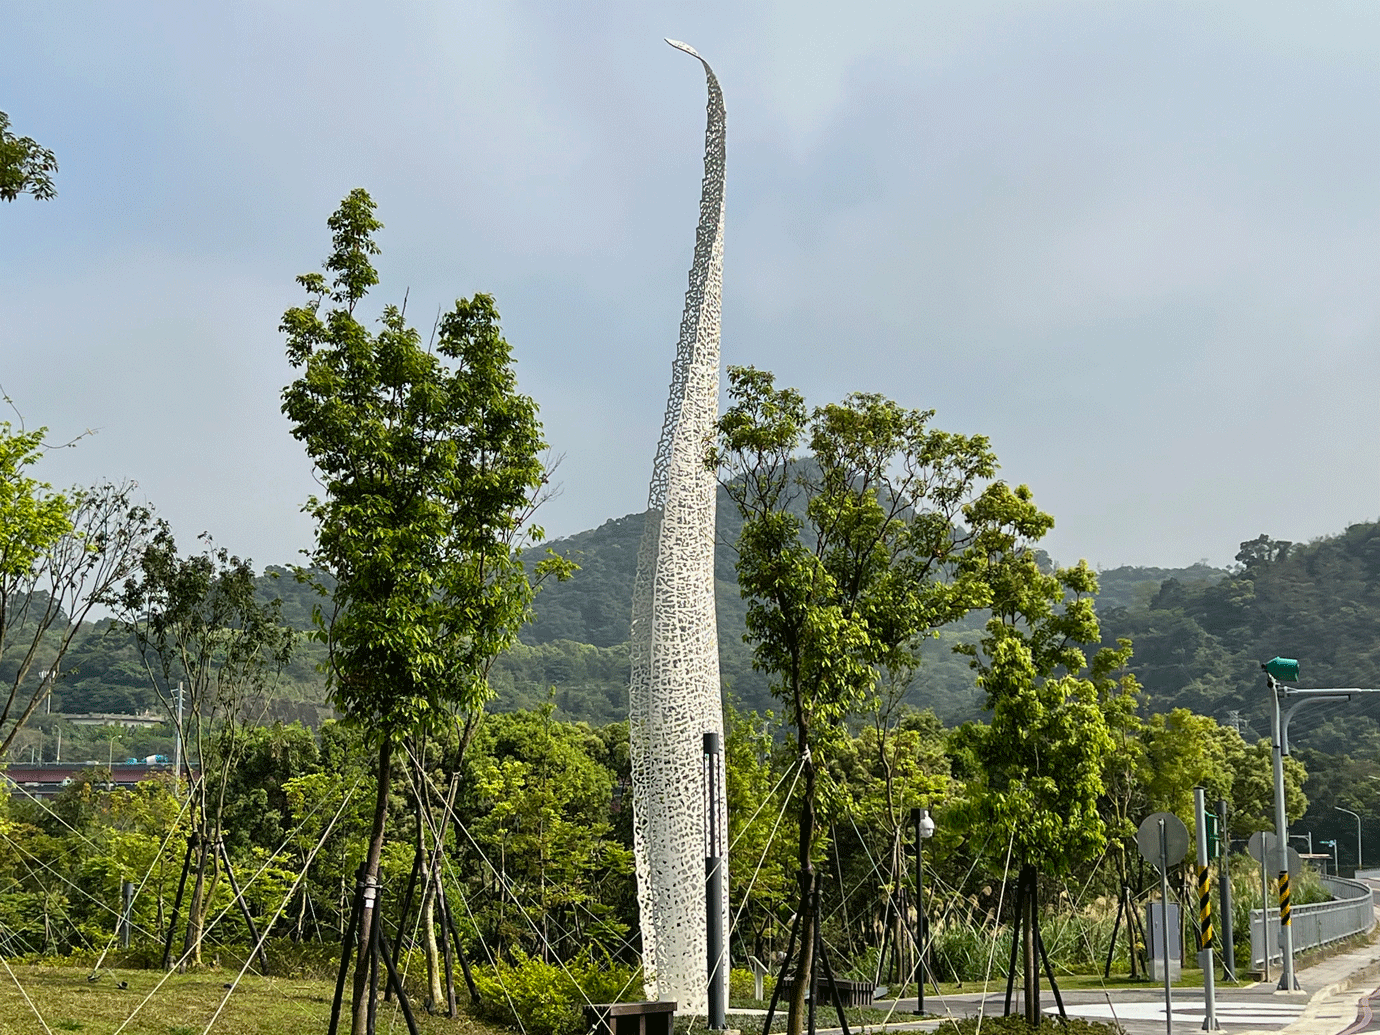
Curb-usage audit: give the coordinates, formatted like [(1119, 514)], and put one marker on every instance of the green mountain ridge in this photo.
[(1199, 632)]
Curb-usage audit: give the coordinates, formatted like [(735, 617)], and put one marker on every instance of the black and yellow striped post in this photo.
[(1284, 907), (1204, 908), (1205, 955)]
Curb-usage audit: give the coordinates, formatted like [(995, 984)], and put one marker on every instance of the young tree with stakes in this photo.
[(1041, 760), (431, 464), (850, 555), (203, 633)]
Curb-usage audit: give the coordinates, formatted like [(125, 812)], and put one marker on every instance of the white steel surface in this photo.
[(675, 696)]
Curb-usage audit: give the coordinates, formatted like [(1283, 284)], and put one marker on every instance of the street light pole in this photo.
[(924, 828), (1286, 932), (1359, 865)]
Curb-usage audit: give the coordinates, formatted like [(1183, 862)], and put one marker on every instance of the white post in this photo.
[(1164, 930)]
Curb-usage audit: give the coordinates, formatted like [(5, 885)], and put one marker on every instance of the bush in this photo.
[(742, 985), (1016, 1025), (549, 998)]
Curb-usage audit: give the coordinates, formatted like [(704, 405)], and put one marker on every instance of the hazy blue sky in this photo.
[(1137, 244)]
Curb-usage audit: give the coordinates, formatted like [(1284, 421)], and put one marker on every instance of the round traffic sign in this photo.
[(1261, 843), (1293, 862), (1175, 839)]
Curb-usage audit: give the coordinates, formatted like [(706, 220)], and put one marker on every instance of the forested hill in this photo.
[(1200, 638), (1200, 634)]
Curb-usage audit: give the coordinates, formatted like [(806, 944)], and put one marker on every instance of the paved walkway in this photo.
[(1340, 996)]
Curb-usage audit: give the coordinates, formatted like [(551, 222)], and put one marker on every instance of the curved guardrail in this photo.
[(1351, 911)]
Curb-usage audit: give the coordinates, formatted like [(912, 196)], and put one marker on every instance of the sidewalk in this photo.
[(1339, 986)]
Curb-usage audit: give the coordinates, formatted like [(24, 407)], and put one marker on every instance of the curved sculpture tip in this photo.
[(685, 47)]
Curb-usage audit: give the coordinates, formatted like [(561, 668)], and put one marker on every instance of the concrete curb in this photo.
[(1310, 1022)]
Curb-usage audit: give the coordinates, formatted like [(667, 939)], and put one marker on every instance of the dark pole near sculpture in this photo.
[(924, 827), (714, 879)]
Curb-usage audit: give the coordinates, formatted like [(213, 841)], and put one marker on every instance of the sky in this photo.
[(1135, 244)]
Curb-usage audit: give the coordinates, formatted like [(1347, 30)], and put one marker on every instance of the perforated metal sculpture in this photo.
[(675, 696)]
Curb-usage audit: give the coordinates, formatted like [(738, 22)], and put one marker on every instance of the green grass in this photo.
[(185, 1004)]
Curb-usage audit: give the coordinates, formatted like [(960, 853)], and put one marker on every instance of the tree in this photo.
[(25, 166), (1041, 759), (61, 554), (848, 558), (432, 464), (199, 621)]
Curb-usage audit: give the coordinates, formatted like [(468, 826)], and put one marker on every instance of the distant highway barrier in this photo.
[(1351, 912)]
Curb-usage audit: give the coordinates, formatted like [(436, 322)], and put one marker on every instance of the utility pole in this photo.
[(177, 750)]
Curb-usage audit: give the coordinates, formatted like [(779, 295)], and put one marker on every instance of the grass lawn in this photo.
[(185, 1004)]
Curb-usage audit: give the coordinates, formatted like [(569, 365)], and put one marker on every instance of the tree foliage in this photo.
[(26, 167), (431, 463), (849, 556), (61, 554)]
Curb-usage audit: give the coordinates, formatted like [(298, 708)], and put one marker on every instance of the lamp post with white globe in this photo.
[(924, 828)]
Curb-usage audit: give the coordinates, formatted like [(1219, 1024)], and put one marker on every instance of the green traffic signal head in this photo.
[(1286, 670)]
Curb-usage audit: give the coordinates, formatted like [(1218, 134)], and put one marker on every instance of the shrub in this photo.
[(1016, 1025), (549, 998), (742, 985)]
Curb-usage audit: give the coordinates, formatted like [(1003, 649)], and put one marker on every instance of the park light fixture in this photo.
[(924, 829), (926, 824), (1359, 864)]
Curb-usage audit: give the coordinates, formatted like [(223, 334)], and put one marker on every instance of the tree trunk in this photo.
[(360, 1001), (433, 952), (795, 1019), (191, 945), (1031, 963)]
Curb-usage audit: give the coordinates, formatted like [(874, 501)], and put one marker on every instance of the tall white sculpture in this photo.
[(675, 694)]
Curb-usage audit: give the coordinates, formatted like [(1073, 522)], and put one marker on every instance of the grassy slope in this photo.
[(185, 1004)]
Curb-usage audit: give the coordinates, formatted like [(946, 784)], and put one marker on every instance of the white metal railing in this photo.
[(1351, 911)]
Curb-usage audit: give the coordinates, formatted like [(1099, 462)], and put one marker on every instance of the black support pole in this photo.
[(244, 906), (177, 902), (346, 943), (714, 880)]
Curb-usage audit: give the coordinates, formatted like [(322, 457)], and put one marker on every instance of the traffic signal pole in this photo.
[(1287, 981), (1276, 671)]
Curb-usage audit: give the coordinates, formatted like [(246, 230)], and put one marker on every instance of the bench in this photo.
[(851, 993), (631, 1018)]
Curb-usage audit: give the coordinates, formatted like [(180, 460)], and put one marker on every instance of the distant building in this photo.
[(142, 721), (46, 779)]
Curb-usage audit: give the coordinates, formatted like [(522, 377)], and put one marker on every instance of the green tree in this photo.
[(25, 166), (847, 558), (537, 804), (431, 463), (204, 631), (61, 554), (1042, 758)]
